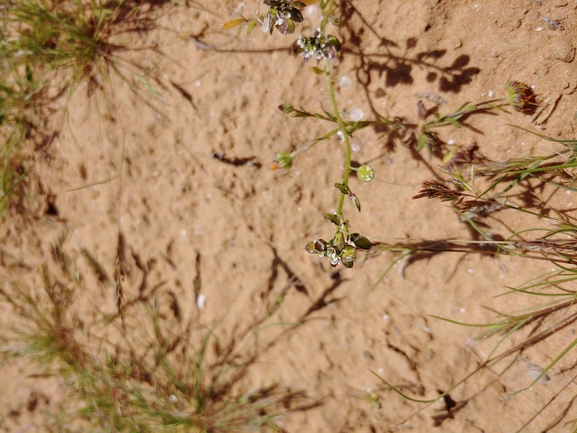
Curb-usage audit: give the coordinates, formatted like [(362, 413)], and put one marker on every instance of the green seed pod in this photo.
[(348, 256), (365, 173), (361, 241), (318, 246)]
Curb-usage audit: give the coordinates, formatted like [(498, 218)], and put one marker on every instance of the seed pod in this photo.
[(318, 246), (348, 256), (361, 241)]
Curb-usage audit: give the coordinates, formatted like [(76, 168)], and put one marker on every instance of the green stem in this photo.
[(326, 13), (345, 136)]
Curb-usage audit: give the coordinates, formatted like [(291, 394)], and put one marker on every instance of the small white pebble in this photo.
[(463, 310), (381, 371), (477, 6), (345, 82), (173, 398), (312, 11), (356, 144), (198, 83), (356, 114), (539, 29), (533, 370), (201, 301), (426, 329), (451, 142), (183, 232), (239, 8), (491, 94), (471, 271)]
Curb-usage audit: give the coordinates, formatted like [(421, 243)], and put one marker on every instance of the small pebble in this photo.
[(201, 301), (356, 144), (345, 83), (533, 370), (356, 114)]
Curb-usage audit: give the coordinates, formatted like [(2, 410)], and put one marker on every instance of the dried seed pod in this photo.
[(521, 97)]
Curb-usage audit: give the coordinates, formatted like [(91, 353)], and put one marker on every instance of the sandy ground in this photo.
[(189, 180)]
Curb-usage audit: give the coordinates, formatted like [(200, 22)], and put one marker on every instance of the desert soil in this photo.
[(189, 180)]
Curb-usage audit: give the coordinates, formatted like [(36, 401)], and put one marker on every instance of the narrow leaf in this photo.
[(233, 23)]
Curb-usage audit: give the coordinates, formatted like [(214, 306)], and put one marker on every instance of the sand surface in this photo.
[(185, 181)]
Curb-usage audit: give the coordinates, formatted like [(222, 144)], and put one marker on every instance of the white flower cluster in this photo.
[(318, 46)]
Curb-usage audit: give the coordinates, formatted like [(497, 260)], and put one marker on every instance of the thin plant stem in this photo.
[(345, 137)]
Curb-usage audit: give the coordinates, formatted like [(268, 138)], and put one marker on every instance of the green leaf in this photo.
[(344, 189), (317, 71), (336, 21), (250, 26), (290, 26), (421, 142), (332, 218), (453, 122)]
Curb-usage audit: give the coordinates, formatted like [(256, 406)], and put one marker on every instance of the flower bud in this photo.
[(521, 97), (283, 160), (286, 108)]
